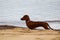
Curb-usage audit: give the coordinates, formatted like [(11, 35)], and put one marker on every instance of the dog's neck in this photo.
[(27, 19)]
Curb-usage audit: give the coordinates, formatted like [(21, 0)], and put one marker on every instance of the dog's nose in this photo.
[(21, 18)]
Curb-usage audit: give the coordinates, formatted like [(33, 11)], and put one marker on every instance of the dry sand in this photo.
[(27, 34)]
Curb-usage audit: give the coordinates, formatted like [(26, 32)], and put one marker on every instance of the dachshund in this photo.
[(32, 24)]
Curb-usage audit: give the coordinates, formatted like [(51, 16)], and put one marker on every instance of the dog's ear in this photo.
[(26, 15)]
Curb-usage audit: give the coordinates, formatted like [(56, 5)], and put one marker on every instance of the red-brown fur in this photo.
[(33, 24)]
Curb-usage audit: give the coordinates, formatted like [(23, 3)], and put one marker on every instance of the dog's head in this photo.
[(25, 17)]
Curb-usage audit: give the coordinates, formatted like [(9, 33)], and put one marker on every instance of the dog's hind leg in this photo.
[(46, 27)]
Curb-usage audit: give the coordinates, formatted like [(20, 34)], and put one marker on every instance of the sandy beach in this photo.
[(19, 33)]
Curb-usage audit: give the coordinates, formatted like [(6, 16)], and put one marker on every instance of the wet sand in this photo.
[(16, 33)]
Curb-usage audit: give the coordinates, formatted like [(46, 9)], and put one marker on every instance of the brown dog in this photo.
[(33, 25)]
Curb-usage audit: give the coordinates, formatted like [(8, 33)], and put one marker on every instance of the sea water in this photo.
[(11, 11)]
